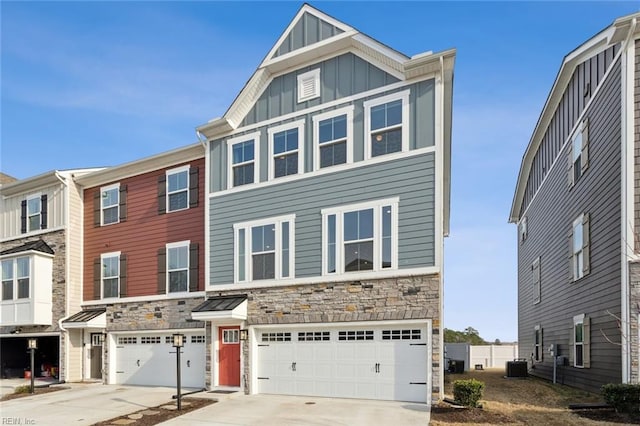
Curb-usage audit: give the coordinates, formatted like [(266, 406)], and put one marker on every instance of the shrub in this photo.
[(22, 389), (624, 398), (468, 392)]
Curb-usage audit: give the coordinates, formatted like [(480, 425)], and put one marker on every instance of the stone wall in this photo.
[(410, 298), (55, 240)]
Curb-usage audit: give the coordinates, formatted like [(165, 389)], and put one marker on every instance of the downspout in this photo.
[(628, 229), (205, 144)]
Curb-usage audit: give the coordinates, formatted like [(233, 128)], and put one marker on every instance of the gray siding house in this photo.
[(328, 203), (577, 208)]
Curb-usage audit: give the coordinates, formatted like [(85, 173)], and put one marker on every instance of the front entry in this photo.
[(96, 355), (229, 367)]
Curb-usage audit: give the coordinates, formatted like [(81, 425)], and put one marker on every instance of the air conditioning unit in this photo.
[(517, 368)]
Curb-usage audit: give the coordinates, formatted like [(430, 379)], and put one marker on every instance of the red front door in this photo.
[(229, 370)]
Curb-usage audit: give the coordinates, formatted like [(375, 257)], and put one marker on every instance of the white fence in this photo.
[(487, 356)]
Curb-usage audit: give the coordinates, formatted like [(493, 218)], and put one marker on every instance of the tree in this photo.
[(469, 335)]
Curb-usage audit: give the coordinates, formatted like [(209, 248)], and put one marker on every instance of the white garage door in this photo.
[(150, 360), (375, 362)]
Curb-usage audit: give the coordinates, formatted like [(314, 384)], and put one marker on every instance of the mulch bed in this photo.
[(36, 391), (608, 415), (445, 413), (156, 415)]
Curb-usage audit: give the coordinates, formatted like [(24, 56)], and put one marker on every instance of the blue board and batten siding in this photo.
[(307, 31), (411, 179), (341, 76)]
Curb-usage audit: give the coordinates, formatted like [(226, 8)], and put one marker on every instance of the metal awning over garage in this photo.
[(93, 318), (221, 308)]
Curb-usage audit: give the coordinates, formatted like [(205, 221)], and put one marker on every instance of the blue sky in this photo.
[(88, 84)]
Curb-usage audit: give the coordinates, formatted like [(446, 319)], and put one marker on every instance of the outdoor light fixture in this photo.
[(244, 334), (178, 342), (32, 344)]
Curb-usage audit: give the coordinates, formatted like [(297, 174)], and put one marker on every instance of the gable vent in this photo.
[(309, 85)]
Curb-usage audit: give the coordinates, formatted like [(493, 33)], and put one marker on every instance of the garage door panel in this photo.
[(150, 360), (373, 362)]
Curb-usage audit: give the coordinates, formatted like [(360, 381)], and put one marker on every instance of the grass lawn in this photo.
[(529, 401)]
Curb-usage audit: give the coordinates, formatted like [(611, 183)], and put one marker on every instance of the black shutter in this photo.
[(96, 208), (162, 271), (23, 216), (43, 212), (162, 194), (97, 278), (193, 187), (193, 267), (123, 203), (123, 275)]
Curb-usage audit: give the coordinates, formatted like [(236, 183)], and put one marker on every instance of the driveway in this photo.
[(266, 410), (83, 404)]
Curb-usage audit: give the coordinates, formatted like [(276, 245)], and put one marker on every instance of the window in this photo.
[(178, 189), (355, 335), (579, 246), (361, 237), (109, 204), (244, 154), (580, 337), (110, 275), (178, 267), (33, 213), (314, 336), (264, 249), (309, 85), (333, 138), (387, 124), (401, 334), (231, 336), (276, 337), (16, 278), (537, 344), (579, 153), (535, 268), (523, 229), (127, 340), (197, 339), (286, 144)]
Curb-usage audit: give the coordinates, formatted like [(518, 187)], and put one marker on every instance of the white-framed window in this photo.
[(309, 85), (243, 160), (333, 138), (581, 341), (523, 231), (34, 210), (537, 344), (360, 237), (264, 249), (286, 149), (110, 204), (231, 336), (110, 279), (177, 189), (579, 243), (178, 267), (579, 153), (535, 270), (16, 278), (386, 121)]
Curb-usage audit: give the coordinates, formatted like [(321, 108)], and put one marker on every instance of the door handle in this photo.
[(138, 363), (377, 367), (293, 366), (188, 363)]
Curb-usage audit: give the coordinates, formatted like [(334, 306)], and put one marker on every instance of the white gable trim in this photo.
[(312, 11)]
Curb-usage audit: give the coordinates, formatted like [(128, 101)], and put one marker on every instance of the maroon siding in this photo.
[(143, 232)]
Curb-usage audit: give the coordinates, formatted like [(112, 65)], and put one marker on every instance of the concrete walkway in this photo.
[(276, 410)]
